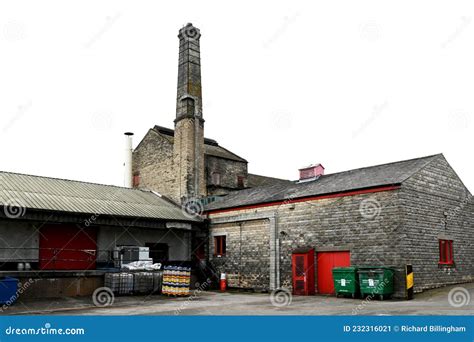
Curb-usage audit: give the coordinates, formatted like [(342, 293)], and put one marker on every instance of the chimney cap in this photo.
[(128, 133), (311, 166), (189, 32)]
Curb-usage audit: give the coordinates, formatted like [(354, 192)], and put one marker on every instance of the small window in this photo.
[(446, 252), (136, 180), (240, 181), (219, 245)]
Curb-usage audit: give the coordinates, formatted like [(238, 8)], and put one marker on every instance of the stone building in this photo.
[(415, 212), (180, 163)]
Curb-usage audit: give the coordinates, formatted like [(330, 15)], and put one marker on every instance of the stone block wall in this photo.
[(437, 205), (324, 224), (229, 171), (153, 162), (247, 258)]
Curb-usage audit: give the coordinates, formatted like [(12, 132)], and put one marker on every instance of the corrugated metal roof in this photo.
[(367, 177), (43, 193)]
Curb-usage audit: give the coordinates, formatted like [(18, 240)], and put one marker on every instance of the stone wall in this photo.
[(427, 197), (229, 171), (324, 224), (246, 262), (189, 158), (153, 162)]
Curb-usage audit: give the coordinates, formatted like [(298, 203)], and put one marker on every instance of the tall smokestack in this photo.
[(127, 177), (189, 123)]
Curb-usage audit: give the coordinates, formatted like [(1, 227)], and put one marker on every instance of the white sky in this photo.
[(285, 84)]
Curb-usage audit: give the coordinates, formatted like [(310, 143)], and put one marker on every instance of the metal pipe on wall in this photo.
[(128, 178)]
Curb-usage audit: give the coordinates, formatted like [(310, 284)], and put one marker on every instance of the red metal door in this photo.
[(67, 247), (303, 272), (326, 262), (299, 276)]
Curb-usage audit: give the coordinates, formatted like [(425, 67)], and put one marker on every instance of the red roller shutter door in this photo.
[(67, 247), (326, 262)]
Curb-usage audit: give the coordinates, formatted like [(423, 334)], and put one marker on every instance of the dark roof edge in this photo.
[(307, 197), (377, 165)]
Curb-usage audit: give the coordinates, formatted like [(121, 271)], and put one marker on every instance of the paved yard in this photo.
[(434, 302)]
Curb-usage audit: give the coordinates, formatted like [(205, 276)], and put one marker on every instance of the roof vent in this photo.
[(311, 172)]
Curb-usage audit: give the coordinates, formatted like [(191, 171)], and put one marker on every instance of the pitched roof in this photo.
[(367, 177), (258, 180), (52, 194), (211, 147)]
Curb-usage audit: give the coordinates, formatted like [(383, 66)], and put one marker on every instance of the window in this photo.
[(136, 180), (219, 245), (240, 181), (446, 252), (216, 178)]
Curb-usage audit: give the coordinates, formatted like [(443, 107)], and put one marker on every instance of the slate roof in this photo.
[(258, 180), (211, 147), (367, 177), (52, 194)]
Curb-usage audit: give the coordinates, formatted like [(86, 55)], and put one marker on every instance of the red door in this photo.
[(67, 247), (326, 262), (303, 272)]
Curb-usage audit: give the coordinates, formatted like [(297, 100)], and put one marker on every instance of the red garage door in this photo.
[(326, 262), (67, 247)]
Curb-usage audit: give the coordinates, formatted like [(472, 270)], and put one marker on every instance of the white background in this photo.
[(285, 84)]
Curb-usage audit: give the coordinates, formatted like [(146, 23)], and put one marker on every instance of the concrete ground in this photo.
[(433, 302)]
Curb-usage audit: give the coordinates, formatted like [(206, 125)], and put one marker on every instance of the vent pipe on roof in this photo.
[(127, 177)]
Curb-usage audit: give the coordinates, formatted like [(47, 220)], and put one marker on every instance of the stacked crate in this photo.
[(176, 280)]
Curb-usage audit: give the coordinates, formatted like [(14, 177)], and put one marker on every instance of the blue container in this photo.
[(8, 290)]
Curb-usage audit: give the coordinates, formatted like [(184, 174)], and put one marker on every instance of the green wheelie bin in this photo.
[(376, 281), (346, 281)]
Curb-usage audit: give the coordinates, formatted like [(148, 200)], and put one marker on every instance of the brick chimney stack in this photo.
[(188, 153)]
